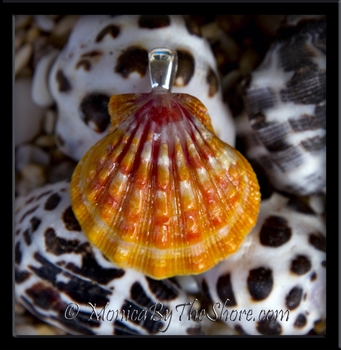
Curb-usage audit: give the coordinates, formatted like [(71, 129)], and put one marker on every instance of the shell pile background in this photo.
[(49, 144)]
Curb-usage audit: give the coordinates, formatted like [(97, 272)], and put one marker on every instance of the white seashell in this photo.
[(280, 268), (107, 55), (56, 269), (188, 284), (285, 121), (40, 91), (33, 175)]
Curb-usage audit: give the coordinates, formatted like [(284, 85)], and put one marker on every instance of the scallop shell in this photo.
[(161, 193)]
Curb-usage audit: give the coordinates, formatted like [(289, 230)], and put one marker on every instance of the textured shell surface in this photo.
[(284, 124), (107, 55), (161, 193), (278, 273), (64, 280)]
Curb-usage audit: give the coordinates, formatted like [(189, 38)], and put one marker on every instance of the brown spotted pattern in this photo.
[(300, 321), (186, 67), (205, 290), (213, 82), (87, 59), (70, 221), (279, 269), (279, 112), (89, 276), (34, 224), (300, 265), (267, 327), (152, 22), (164, 291), (293, 299), (52, 202), (111, 30), (225, 290), (318, 241), (61, 269), (260, 283), (64, 84), (275, 231), (133, 59), (94, 111), (108, 55), (85, 64)]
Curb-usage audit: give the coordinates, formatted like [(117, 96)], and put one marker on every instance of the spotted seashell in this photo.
[(58, 273), (276, 283), (161, 193), (284, 126), (108, 55)]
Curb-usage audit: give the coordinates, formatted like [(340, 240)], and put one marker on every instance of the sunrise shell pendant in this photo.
[(161, 193)]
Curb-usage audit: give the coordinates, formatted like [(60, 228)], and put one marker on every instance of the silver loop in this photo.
[(163, 64)]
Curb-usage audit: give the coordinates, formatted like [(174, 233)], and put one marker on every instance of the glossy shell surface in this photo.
[(276, 283), (108, 55), (161, 193), (54, 262), (63, 279)]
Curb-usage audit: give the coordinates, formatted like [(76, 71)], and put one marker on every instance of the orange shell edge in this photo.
[(176, 246)]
